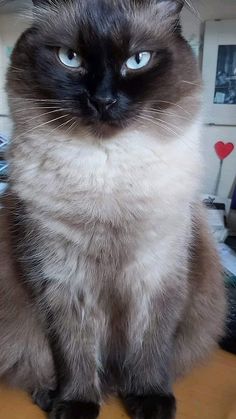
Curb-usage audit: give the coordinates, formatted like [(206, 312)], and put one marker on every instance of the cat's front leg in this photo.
[(150, 406), (147, 378), (72, 333), (150, 399), (44, 399), (75, 410), (148, 392)]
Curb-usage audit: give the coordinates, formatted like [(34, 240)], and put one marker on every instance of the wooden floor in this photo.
[(208, 393)]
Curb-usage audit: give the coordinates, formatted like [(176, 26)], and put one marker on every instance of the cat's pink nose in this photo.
[(102, 103)]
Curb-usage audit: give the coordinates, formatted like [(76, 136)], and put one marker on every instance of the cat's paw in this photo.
[(75, 410), (44, 399), (151, 406)]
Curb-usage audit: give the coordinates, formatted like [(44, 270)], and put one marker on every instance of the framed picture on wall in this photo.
[(219, 72)]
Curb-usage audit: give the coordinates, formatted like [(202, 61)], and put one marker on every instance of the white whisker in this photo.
[(169, 103), (159, 124), (73, 125), (164, 122), (19, 98), (41, 125), (192, 83), (168, 127), (43, 114), (158, 112), (37, 108), (60, 126)]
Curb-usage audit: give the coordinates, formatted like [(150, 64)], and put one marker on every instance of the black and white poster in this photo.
[(225, 85), (219, 72)]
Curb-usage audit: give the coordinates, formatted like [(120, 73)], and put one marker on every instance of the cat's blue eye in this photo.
[(69, 58), (138, 60)]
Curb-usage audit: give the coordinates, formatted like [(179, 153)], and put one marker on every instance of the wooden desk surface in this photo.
[(208, 393)]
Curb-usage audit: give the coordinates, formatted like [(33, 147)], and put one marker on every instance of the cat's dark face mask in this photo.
[(101, 63)]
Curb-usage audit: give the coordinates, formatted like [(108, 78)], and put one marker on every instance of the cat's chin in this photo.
[(105, 130)]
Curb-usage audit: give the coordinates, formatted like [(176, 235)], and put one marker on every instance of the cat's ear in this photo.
[(167, 7), (170, 6), (40, 2)]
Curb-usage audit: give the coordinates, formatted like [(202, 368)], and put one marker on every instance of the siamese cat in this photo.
[(110, 281)]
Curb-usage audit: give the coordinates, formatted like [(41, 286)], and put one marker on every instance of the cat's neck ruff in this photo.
[(106, 179)]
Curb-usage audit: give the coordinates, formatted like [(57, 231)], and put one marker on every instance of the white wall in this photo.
[(11, 26), (193, 26), (215, 9), (206, 10)]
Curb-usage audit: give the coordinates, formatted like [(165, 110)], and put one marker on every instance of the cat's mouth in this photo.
[(105, 125)]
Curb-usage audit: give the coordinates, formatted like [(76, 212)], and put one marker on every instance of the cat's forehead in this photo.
[(116, 22)]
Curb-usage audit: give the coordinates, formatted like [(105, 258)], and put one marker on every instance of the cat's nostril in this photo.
[(102, 103), (110, 102)]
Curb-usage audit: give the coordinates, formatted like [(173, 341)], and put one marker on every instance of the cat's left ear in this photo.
[(165, 7), (170, 6)]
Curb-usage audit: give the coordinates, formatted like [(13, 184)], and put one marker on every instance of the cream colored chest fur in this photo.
[(116, 179), (136, 182)]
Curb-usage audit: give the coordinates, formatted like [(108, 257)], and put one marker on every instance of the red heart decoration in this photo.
[(223, 150)]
